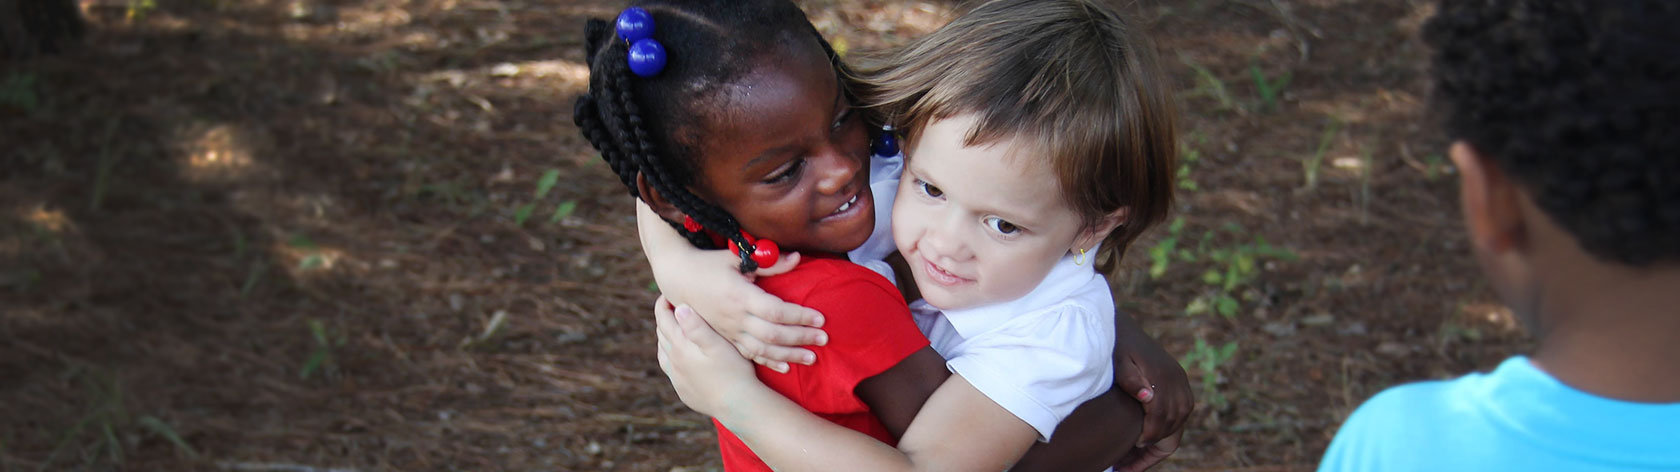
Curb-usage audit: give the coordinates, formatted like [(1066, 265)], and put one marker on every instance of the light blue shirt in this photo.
[(1517, 418)]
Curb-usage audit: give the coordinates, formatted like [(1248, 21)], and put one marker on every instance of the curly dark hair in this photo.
[(649, 126), (1578, 101)]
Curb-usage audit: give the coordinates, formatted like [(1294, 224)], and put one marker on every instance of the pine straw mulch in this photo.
[(285, 234)]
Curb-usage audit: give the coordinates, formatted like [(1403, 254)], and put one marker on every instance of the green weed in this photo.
[(1227, 270), (95, 436), (1205, 360), (1270, 89), (563, 211), (1209, 85), (314, 258), (1161, 255), (1311, 165), (544, 185), (138, 9), (1187, 164), (1434, 166), (321, 356)]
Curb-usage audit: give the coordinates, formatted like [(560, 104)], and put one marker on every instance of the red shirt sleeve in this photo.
[(869, 331)]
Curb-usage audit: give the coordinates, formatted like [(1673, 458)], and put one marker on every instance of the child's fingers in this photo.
[(783, 335), (772, 364), (1142, 459), (697, 333), (783, 265), (790, 355), (665, 322), (767, 307)]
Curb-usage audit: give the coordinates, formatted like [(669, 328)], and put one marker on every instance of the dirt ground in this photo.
[(312, 235)]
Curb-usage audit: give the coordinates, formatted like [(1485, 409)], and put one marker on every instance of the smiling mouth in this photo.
[(847, 205), (941, 276)]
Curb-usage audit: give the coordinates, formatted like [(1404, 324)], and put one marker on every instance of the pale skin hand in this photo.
[(710, 378), (760, 326)]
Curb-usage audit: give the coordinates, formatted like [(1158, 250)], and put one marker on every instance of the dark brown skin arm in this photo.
[(1096, 436), (895, 396)]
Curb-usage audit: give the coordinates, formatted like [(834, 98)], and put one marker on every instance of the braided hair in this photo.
[(1576, 100), (650, 126)]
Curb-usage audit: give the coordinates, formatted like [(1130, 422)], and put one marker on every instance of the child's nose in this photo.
[(943, 236), (837, 170)]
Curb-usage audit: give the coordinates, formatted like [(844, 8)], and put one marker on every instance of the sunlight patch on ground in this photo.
[(1491, 314), (52, 220), (564, 76), (216, 154)]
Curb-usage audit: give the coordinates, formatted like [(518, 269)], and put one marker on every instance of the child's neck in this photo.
[(1612, 330)]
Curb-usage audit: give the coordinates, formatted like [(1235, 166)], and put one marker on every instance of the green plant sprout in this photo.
[(1229, 269), (1187, 163), (1161, 255), (563, 211), (1435, 166), (321, 357), (106, 417), (314, 258), (1270, 89), (1205, 360), (1208, 84), (138, 9), (1310, 165)]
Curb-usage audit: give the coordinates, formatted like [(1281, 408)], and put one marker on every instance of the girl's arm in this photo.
[(959, 428), (1099, 434), (762, 327), (1148, 373)]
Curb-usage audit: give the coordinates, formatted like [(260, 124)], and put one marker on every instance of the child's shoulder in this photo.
[(818, 278)]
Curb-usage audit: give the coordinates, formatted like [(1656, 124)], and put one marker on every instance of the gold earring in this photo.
[(1080, 260)]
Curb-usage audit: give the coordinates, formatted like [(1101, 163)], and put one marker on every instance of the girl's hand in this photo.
[(762, 327), (703, 368), (1159, 382)]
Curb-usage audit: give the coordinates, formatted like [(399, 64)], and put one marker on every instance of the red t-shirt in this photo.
[(869, 330)]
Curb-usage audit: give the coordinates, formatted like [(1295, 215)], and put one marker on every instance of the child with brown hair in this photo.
[(1041, 143)]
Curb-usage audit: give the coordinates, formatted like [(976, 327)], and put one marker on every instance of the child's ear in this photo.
[(1491, 201), (656, 201), (1095, 234)]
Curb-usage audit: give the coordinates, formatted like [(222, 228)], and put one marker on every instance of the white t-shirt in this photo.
[(1039, 356), (884, 173)]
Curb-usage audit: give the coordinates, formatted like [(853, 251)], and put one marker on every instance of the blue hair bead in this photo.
[(647, 57), (885, 144), (634, 24)]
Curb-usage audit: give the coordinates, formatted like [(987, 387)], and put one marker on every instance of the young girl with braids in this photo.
[(732, 118), (1039, 131)]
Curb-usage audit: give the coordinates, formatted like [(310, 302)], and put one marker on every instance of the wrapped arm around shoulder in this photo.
[(959, 428), (1146, 372), (762, 327), (1095, 437)]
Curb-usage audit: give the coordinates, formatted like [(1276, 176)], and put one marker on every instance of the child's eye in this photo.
[(790, 171), (929, 190), (1001, 226)]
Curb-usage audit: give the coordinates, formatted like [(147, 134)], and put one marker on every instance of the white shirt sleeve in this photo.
[(1041, 367), (884, 174)]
